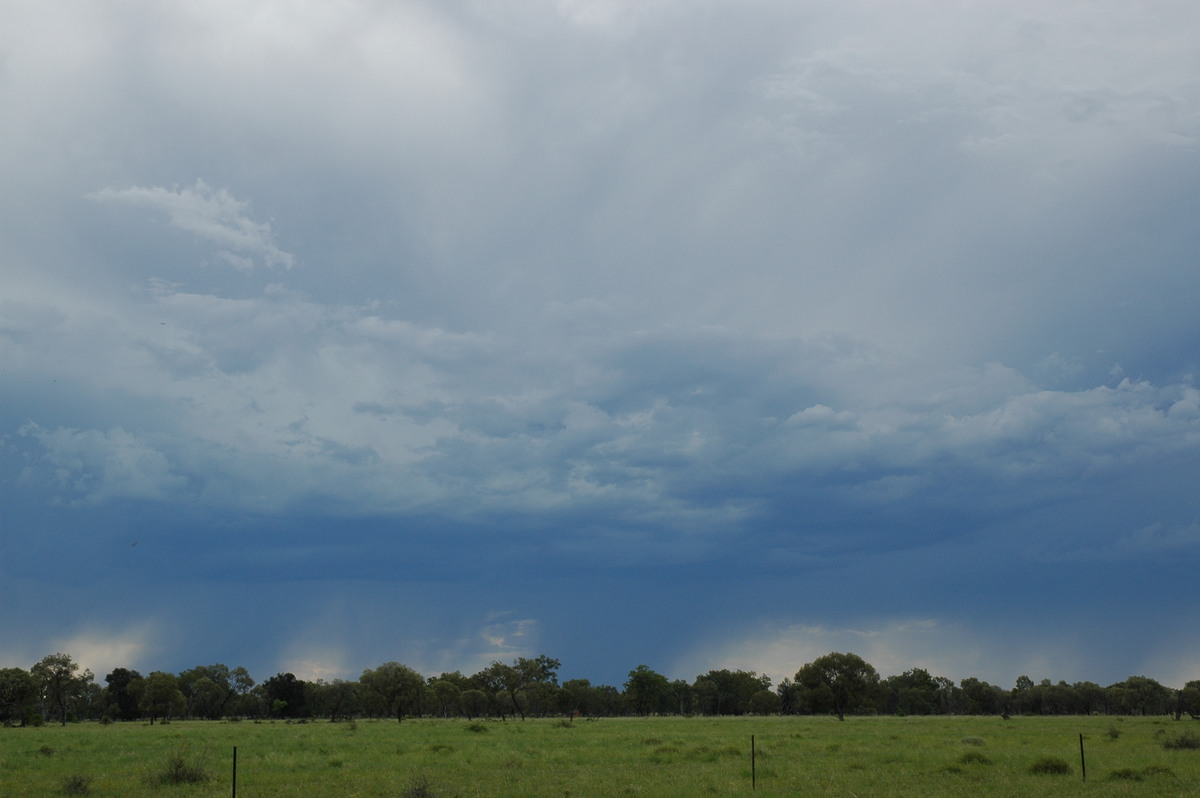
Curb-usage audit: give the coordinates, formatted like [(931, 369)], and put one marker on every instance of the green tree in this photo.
[(510, 681), (981, 698), (159, 696), (647, 691), (914, 692), (121, 703), (1140, 695), (59, 681), (398, 687), (764, 702), (286, 696), (445, 695), (18, 691), (846, 682), (337, 699)]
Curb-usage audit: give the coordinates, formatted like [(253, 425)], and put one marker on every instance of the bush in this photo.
[(1132, 774), (77, 785), (477, 727), (1184, 742), (974, 758), (1050, 766), (419, 788), (180, 771)]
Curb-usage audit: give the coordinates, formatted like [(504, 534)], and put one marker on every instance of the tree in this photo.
[(399, 687), (726, 692), (159, 696), (122, 703), (59, 680), (286, 696), (981, 698), (446, 695), (845, 681), (18, 691), (764, 702), (511, 681), (914, 692), (337, 699), (647, 691), (1140, 695)]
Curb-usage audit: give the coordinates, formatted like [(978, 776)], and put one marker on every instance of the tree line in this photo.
[(58, 689)]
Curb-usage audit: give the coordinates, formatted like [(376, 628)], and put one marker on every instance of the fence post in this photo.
[(235, 771), (753, 771), (1082, 761)]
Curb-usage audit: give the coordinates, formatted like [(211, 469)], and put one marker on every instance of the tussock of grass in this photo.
[(1187, 741), (77, 785), (1050, 766), (180, 771), (973, 741), (974, 758)]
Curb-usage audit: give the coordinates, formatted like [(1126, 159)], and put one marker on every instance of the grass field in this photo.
[(796, 756)]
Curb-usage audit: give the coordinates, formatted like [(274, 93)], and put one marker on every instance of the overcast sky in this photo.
[(692, 333)]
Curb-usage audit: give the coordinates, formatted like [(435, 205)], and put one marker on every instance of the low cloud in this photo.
[(214, 216)]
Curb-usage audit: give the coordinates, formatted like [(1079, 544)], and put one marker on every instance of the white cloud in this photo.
[(102, 650), (950, 649), (214, 216), (103, 465)]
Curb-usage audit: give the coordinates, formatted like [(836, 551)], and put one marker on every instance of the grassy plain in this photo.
[(653, 757)]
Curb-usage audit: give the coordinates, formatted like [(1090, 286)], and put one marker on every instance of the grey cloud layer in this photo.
[(754, 293)]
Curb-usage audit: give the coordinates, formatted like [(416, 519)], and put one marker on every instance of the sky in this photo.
[(688, 333)]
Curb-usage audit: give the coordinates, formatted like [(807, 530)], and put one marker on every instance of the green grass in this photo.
[(654, 757)]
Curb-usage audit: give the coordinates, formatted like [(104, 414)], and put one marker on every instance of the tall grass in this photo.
[(980, 757)]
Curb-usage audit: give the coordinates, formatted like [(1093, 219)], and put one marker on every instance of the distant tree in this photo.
[(576, 697), (981, 698), (842, 682), (445, 696), (764, 702), (511, 681), (1140, 695), (682, 697), (337, 699), (1188, 700), (914, 692), (1089, 698), (122, 704), (18, 691), (474, 703), (211, 690), (59, 680), (286, 696), (647, 691), (398, 686), (159, 696), (726, 692)]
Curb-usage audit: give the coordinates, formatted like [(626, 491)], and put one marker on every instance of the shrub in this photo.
[(77, 785), (1184, 742), (477, 727), (419, 788), (974, 758), (1050, 766), (180, 771)]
